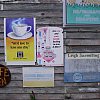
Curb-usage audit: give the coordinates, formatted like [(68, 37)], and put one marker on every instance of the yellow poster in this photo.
[(19, 35)]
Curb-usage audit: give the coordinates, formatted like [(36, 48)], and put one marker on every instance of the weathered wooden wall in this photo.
[(76, 39)]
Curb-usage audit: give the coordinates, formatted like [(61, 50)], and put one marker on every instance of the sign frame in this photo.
[(38, 76), (65, 21), (49, 44), (81, 67)]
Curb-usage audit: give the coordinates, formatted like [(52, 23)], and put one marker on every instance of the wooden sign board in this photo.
[(5, 76), (82, 67), (81, 12)]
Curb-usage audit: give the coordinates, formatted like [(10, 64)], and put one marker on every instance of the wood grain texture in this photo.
[(82, 42), (81, 48), (33, 7), (84, 35), (43, 96), (25, 13), (76, 39), (22, 90), (31, 1)]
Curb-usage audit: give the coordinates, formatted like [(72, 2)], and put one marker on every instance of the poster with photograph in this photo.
[(82, 67), (50, 46), (81, 12), (20, 41), (38, 76)]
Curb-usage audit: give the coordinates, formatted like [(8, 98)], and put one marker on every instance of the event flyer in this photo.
[(38, 76), (82, 11), (50, 46), (82, 67), (20, 41)]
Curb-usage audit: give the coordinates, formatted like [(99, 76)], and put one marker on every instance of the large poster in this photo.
[(38, 76), (20, 41), (82, 67), (50, 46), (81, 12)]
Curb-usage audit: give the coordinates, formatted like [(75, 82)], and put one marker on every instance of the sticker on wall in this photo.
[(20, 41), (50, 46), (5, 76), (38, 76), (82, 67)]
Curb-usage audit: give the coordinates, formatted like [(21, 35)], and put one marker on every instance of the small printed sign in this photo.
[(5, 76), (82, 67), (50, 46), (81, 12), (38, 76), (20, 41)]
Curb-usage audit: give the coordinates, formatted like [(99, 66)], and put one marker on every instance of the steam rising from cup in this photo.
[(20, 28), (18, 21)]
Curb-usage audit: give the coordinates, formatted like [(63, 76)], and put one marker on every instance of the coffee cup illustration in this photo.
[(21, 29)]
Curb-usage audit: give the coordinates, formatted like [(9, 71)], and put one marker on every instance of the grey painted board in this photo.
[(22, 90), (77, 39), (84, 35), (82, 42), (81, 29), (82, 67), (27, 96), (33, 7), (25, 13), (31, 1), (81, 48)]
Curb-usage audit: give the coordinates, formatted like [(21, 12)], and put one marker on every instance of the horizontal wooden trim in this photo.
[(82, 42), (33, 6), (42, 96), (82, 48), (19, 84), (21, 90)]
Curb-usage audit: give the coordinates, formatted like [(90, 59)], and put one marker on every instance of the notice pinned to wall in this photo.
[(38, 76), (20, 41), (81, 12), (50, 46), (82, 67)]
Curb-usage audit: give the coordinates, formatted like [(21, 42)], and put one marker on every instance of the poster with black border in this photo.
[(20, 41)]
